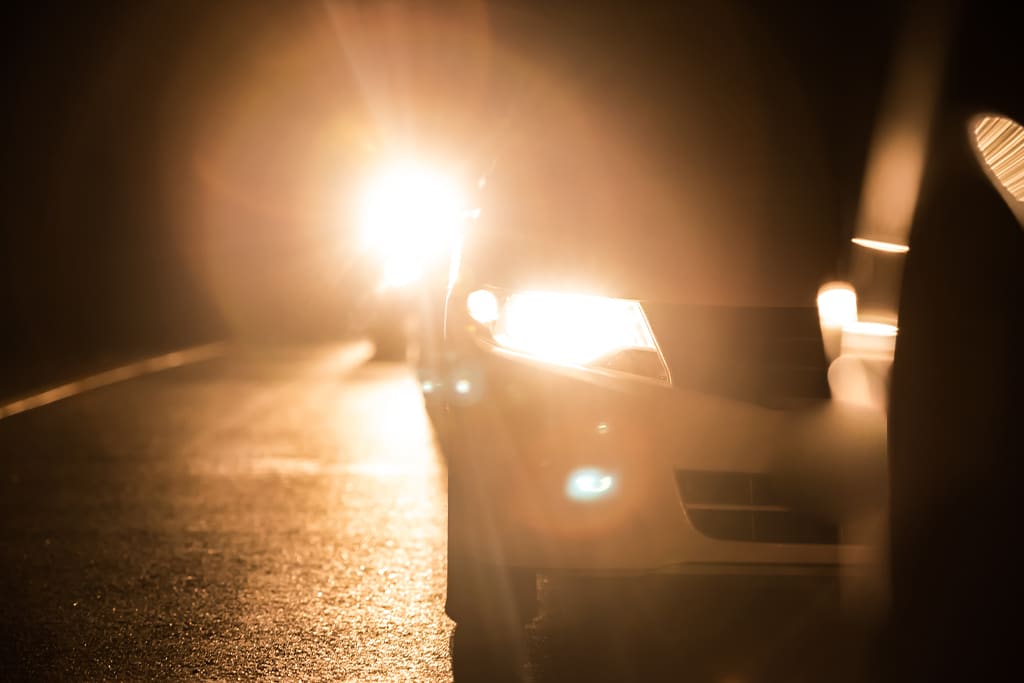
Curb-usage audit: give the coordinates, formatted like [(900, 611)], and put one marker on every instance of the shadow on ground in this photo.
[(678, 629)]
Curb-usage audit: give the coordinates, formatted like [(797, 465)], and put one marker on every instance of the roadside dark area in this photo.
[(134, 222), (91, 272)]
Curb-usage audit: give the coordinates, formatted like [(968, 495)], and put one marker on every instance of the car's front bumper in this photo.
[(517, 430)]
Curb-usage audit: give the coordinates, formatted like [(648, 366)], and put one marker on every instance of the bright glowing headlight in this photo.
[(410, 215), (571, 329)]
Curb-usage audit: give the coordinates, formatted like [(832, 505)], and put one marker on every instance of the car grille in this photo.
[(767, 356), (737, 506)]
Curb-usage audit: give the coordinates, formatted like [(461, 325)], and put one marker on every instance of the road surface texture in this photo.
[(280, 515)]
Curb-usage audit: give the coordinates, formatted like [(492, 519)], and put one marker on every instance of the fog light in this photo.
[(589, 484)]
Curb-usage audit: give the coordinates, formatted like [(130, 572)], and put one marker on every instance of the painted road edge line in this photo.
[(166, 361)]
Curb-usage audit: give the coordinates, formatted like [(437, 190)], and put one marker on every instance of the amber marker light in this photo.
[(837, 305)]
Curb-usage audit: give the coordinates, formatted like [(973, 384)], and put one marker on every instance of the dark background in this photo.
[(133, 221), (178, 172), (92, 265), (166, 162)]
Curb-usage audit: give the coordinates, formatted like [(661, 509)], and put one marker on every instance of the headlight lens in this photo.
[(570, 329)]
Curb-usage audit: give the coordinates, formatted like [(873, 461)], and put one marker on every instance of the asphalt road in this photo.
[(280, 515)]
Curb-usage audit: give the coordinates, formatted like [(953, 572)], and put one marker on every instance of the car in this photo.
[(408, 217), (632, 368), (383, 313)]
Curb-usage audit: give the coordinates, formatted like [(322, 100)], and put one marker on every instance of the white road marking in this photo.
[(125, 372)]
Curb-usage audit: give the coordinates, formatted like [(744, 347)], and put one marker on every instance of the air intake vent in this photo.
[(733, 506)]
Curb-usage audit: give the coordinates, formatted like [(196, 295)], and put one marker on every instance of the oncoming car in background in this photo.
[(411, 216)]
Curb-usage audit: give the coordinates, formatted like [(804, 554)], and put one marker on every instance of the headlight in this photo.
[(570, 329), (411, 216)]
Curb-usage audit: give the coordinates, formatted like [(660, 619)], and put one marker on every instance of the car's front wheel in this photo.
[(490, 597), (482, 594)]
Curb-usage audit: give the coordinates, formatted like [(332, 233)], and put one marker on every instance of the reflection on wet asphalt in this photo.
[(281, 515)]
